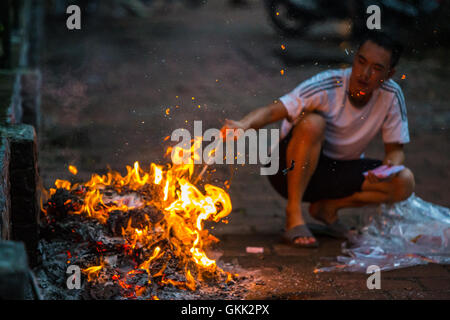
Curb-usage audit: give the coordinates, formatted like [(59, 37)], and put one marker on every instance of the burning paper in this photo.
[(137, 233)]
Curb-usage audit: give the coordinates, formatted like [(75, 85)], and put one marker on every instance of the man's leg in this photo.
[(398, 188), (303, 148)]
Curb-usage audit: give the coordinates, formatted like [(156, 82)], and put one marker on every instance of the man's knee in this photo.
[(312, 126), (403, 185)]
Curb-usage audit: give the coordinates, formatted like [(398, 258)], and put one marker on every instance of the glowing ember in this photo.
[(177, 233), (73, 170)]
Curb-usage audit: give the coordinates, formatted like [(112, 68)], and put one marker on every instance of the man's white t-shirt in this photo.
[(348, 129)]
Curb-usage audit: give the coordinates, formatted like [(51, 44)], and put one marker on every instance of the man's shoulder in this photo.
[(325, 81), (333, 74), (393, 88)]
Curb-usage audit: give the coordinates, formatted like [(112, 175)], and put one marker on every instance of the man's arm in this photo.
[(259, 118), (394, 154)]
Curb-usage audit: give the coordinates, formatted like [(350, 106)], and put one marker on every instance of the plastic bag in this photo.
[(408, 233)]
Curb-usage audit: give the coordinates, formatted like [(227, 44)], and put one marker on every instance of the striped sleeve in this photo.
[(395, 126), (311, 94)]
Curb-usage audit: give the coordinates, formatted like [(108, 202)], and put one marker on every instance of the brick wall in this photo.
[(20, 85)]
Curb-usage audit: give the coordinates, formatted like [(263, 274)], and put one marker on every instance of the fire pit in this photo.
[(138, 236)]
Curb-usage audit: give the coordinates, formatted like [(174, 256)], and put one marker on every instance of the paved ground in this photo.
[(107, 88)]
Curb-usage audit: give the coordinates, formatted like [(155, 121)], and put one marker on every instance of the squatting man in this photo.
[(327, 123)]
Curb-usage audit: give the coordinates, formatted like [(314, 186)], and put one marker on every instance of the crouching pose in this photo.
[(328, 121)]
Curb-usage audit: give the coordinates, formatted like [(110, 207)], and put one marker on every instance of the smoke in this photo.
[(67, 96)]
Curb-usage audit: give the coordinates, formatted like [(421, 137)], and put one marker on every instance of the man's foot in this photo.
[(324, 211), (300, 237), (294, 219)]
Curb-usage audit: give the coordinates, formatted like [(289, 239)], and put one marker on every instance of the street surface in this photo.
[(107, 88)]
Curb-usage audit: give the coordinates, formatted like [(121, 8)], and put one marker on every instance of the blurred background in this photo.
[(110, 93)]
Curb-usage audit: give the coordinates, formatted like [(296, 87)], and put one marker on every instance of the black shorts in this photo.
[(332, 178)]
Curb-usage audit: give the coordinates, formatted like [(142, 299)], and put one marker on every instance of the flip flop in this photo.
[(335, 230), (300, 231)]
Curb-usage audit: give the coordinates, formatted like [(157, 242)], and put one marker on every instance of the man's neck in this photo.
[(359, 100)]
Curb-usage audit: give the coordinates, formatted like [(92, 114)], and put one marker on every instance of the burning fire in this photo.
[(169, 190)]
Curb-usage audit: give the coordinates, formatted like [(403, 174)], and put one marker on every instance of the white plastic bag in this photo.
[(404, 234)]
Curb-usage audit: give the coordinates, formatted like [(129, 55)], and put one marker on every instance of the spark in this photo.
[(73, 170)]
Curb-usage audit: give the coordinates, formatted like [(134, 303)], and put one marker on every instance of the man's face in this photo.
[(371, 67)]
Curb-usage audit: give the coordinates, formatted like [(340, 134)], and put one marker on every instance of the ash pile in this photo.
[(114, 266)]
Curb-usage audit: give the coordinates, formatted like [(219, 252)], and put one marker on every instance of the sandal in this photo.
[(300, 231), (335, 230)]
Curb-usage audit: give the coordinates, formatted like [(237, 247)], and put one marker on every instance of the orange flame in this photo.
[(184, 206), (92, 272)]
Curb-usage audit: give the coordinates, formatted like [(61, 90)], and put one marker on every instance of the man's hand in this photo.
[(372, 178), (232, 125), (394, 155), (257, 119)]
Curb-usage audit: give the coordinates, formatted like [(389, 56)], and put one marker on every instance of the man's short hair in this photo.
[(385, 41)]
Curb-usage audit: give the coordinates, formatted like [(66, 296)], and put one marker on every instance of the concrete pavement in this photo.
[(106, 89)]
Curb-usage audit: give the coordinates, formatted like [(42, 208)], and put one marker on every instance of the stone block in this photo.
[(5, 204), (24, 179), (14, 272)]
